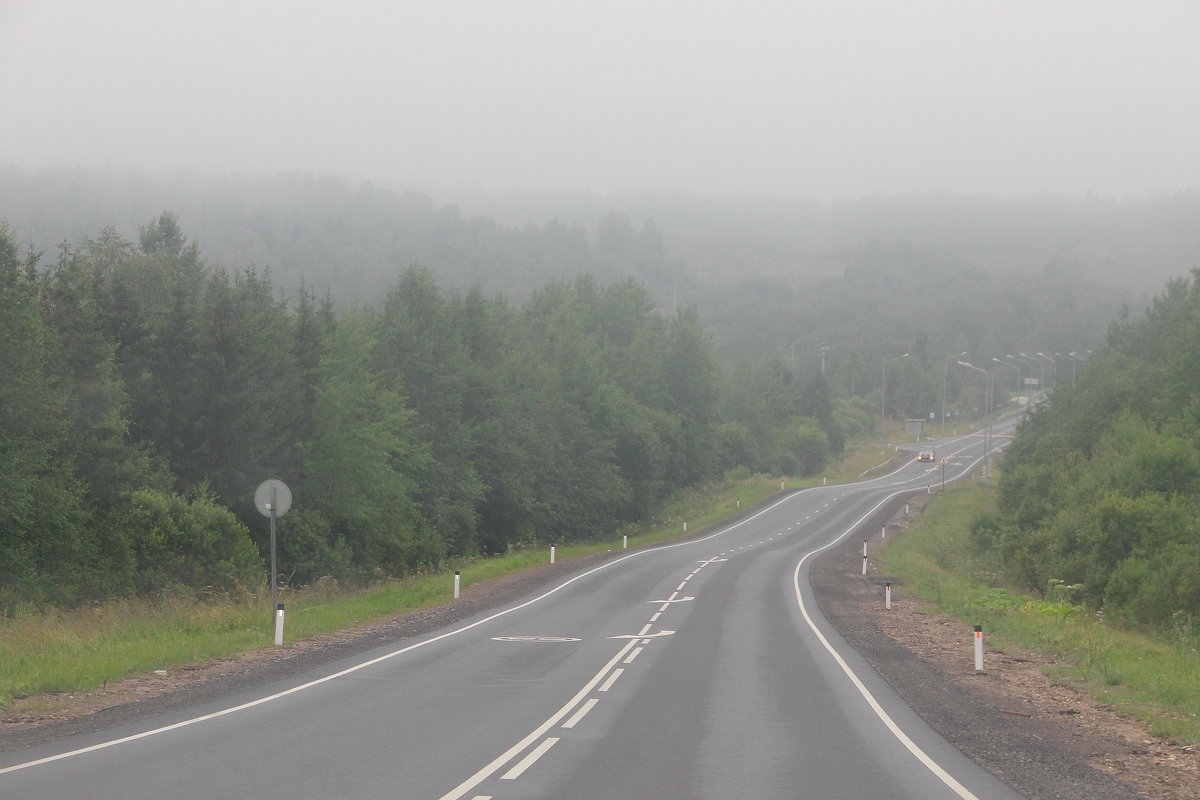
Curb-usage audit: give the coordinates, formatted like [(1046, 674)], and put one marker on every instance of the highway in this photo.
[(698, 669)]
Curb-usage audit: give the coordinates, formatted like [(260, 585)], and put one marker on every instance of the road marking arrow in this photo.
[(643, 635)]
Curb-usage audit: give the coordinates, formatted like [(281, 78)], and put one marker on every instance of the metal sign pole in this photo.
[(273, 498), (274, 579)]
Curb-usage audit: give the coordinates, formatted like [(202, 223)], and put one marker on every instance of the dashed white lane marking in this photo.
[(655, 616), (528, 761), (582, 712), (481, 775), (674, 598), (616, 673), (471, 782), (636, 652)]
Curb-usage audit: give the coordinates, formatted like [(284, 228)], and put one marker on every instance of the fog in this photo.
[(829, 101)]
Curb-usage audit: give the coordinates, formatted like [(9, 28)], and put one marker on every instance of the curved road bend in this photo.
[(700, 669)]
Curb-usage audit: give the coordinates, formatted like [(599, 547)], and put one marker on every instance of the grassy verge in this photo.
[(49, 651), (63, 651), (1147, 678)]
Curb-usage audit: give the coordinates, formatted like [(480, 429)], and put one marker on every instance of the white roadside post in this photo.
[(864, 572), (279, 625), (887, 596), (979, 648), (457, 583), (551, 554)]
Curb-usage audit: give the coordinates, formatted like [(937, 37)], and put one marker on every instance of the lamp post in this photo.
[(1041, 365), (883, 403), (1014, 366), (987, 409), (1018, 363), (1075, 357), (1030, 363), (945, 379), (1053, 368)]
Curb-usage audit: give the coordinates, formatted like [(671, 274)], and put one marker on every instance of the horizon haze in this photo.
[(827, 102)]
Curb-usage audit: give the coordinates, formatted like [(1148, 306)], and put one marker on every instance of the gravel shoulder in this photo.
[(1048, 741)]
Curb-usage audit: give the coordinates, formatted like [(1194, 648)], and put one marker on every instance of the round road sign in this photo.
[(273, 498)]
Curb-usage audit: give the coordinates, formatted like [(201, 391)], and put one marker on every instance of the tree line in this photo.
[(1100, 496), (144, 395)]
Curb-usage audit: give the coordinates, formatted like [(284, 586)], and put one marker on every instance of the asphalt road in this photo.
[(700, 669)]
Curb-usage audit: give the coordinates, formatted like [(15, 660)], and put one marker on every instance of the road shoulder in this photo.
[(1048, 741)]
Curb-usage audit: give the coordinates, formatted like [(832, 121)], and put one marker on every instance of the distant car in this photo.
[(925, 455)]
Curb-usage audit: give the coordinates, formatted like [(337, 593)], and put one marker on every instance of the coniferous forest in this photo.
[(147, 394), (434, 386)]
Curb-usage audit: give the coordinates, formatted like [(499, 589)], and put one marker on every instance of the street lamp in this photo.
[(1074, 358), (1053, 368), (1018, 363), (987, 408), (1014, 366), (1041, 370), (1026, 361), (883, 403), (945, 378)]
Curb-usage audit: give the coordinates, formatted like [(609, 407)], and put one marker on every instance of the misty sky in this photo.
[(828, 100)]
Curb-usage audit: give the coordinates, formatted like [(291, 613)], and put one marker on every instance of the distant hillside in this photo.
[(870, 279)]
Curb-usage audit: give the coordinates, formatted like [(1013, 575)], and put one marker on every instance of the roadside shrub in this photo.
[(190, 542)]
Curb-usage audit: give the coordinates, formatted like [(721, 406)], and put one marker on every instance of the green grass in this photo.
[(63, 651), (1139, 675)]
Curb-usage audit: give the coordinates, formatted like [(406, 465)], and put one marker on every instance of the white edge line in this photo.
[(262, 700), (269, 698), (896, 730)]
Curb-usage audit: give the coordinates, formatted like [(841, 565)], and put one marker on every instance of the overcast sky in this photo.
[(828, 100)]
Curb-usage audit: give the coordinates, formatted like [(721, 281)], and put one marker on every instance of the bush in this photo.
[(187, 542)]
